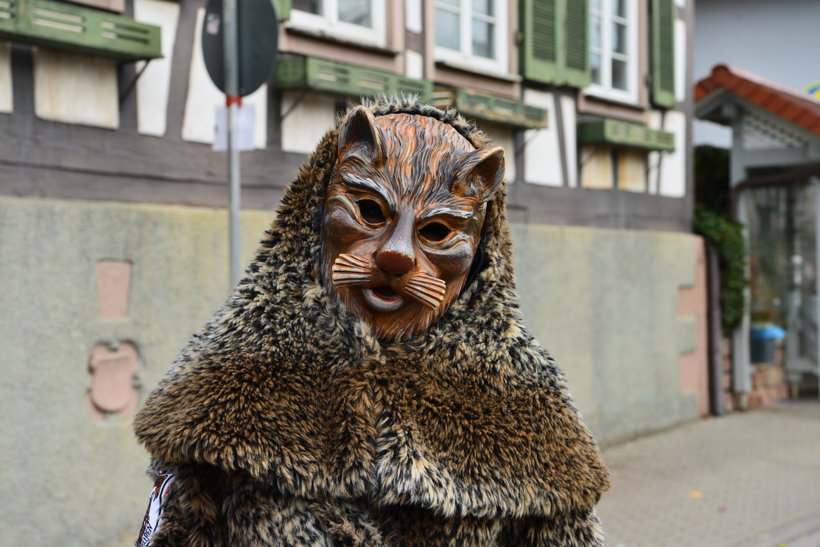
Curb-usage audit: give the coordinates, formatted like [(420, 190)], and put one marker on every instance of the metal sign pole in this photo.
[(232, 102), (238, 68)]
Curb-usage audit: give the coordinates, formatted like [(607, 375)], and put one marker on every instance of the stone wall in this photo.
[(117, 289), (606, 304), (69, 475)]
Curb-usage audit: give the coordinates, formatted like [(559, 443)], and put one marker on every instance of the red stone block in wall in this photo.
[(112, 373), (113, 283)]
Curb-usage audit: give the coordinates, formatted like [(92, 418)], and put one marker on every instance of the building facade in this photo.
[(113, 228), (735, 67), (774, 168)]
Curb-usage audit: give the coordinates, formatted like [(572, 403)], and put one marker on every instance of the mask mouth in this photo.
[(382, 298)]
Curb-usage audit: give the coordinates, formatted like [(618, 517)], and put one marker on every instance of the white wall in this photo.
[(413, 15), (307, 118), (672, 165), (155, 81), (6, 98), (413, 64), (542, 157), (502, 136)]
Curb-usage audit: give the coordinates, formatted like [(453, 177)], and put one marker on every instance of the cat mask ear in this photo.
[(480, 174), (360, 136)]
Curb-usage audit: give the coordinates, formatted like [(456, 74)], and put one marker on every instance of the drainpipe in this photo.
[(715, 348), (741, 358)]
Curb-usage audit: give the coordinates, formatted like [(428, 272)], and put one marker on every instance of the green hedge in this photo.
[(712, 221), (726, 237)]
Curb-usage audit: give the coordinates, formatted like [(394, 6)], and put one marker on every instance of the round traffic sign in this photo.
[(257, 36)]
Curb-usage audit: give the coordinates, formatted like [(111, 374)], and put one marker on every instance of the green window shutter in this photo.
[(282, 9), (576, 51), (554, 46), (343, 79), (663, 53), (539, 50), (66, 27)]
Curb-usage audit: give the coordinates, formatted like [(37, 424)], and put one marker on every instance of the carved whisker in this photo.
[(351, 275), (422, 291), (426, 280), (424, 276), (435, 287), (346, 259), (429, 300), (426, 289), (350, 280), (350, 269)]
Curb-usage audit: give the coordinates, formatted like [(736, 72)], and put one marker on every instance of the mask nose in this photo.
[(397, 255), (395, 262)]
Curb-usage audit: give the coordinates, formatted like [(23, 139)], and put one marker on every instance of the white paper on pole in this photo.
[(243, 140)]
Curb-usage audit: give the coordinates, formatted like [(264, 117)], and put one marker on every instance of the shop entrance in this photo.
[(783, 226)]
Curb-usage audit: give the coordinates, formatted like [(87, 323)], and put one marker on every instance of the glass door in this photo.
[(782, 228)]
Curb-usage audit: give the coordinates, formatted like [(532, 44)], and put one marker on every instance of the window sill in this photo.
[(602, 94), (466, 67), (331, 36), (631, 112)]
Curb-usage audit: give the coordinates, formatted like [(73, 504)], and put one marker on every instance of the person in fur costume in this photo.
[(369, 382)]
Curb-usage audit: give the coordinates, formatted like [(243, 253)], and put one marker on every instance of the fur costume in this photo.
[(287, 422)]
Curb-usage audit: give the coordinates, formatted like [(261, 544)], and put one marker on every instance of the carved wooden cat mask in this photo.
[(403, 217)]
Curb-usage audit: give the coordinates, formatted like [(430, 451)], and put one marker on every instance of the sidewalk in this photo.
[(747, 479)]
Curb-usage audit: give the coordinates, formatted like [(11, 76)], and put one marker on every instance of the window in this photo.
[(354, 20), (472, 34), (613, 50)]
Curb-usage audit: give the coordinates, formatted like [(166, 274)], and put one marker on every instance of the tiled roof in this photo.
[(795, 106)]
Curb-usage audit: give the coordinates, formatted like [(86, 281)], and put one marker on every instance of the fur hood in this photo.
[(472, 418)]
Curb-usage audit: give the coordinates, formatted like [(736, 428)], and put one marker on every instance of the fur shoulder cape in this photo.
[(470, 419)]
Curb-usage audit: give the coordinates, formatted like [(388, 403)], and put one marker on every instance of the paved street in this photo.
[(747, 479)]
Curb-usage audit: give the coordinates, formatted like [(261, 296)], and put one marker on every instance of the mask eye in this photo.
[(435, 232), (370, 211)]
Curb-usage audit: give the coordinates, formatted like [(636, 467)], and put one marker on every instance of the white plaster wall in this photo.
[(77, 89), (652, 172), (203, 98), (680, 60), (308, 118), (153, 85), (568, 109), (413, 65), (504, 137), (542, 159), (672, 164), (412, 15), (6, 96), (542, 155)]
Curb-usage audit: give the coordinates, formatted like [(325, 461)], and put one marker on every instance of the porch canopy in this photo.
[(775, 179)]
